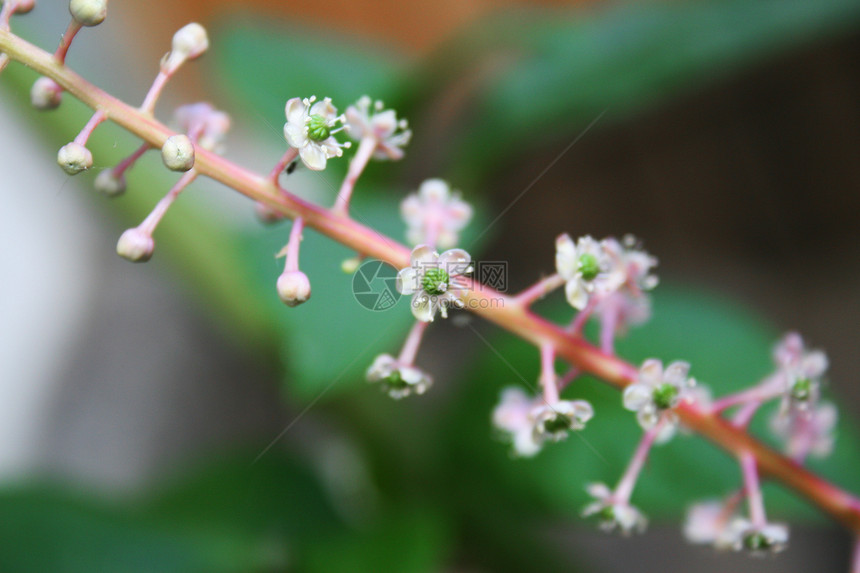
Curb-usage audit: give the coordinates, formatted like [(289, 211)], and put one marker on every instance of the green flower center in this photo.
[(396, 381), (802, 389), (756, 541), (435, 281), (664, 396), (557, 424), (588, 266), (318, 128), (607, 514)]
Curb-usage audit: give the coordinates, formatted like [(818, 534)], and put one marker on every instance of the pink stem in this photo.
[(129, 161), (413, 341), (745, 414), (761, 393), (624, 489), (568, 378), (839, 503), (292, 263), (356, 168), (4, 61), (547, 374), (84, 136), (855, 561), (148, 105), (66, 41), (608, 324), (288, 157), (755, 501), (581, 318), (151, 222), (539, 290)]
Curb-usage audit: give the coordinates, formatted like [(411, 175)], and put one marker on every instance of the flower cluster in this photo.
[(435, 215), (657, 392), (398, 380)]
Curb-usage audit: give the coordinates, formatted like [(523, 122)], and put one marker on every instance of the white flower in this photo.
[(553, 421), (381, 124), (801, 370), (586, 268), (807, 432), (611, 513), (310, 129), (741, 534), (398, 380), (434, 209), (531, 422), (630, 278), (434, 281), (203, 122), (705, 522), (657, 391)]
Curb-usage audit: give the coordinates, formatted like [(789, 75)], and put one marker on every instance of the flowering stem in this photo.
[(608, 325), (624, 489), (292, 262), (282, 163), (129, 161), (483, 301), (760, 393), (744, 416), (66, 41), (97, 118), (547, 374), (755, 502), (413, 341), (151, 222), (356, 168), (539, 290)]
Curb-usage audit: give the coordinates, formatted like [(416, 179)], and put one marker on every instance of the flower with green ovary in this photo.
[(553, 421), (390, 134), (807, 432), (802, 389), (396, 379), (657, 391), (801, 371), (611, 513), (310, 128), (741, 534), (585, 267), (434, 281)]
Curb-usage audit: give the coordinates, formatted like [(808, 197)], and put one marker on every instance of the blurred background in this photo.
[(138, 399)]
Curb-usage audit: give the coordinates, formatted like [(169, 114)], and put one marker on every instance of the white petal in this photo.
[(325, 109), (814, 364), (582, 411), (411, 210), (384, 124), (295, 111), (313, 156), (295, 135), (636, 396), (408, 281), (676, 374), (592, 508), (651, 372), (423, 307), (331, 147), (455, 261), (525, 444), (598, 490), (647, 417), (576, 295), (381, 368), (434, 191), (566, 262), (423, 256), (356, 123)]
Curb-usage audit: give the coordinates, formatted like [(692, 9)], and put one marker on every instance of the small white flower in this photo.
[(398, 380), (657, 392), (705, 522), (435, 205), (807, 432), (611, 513), (434, 281), (741, 534), (630, 277), (310, 128), (529, 422), (586, 268), (205, 123), (390, 133), (801, 370)]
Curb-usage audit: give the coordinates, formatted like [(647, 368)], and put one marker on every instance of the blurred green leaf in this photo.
[(729, 348)]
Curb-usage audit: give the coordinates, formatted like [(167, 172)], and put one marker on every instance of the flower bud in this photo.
[(88, 12), (46, 94), (294, 288), (110, 184), (178, 153), (24, 6), (350, 265), (190, 41), (74, 158), (135, 245)]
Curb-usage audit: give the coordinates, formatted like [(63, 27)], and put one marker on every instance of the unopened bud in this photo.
[(46, 94), (88, 12), (110, 184), (23, 6), (294, 288), (350, 265), (190, 41), (178, 153), (135, 245), (74, 158)]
